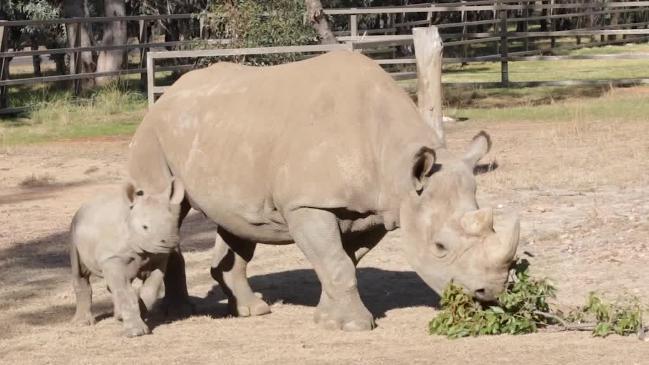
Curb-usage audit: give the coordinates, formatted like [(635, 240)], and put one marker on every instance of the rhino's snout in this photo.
[(485, 295)]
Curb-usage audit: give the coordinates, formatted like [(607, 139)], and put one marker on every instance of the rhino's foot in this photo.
[(83, 319), (135, 329), (248, 307), (336, 317), (178, 308)]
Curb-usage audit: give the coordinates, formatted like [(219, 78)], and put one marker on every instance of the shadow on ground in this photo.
[(381, 291)]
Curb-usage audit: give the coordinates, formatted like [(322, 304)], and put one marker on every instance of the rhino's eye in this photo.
[(440, 249), (145, 227), (139, 193)]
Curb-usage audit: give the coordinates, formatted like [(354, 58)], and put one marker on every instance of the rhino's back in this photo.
[(255, 142)]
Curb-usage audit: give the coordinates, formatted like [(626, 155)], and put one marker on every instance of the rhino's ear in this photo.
[(177, 193), (422, 167), (129, 192), (479, 147)]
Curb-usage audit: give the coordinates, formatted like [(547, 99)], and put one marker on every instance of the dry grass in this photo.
[(37, 181)]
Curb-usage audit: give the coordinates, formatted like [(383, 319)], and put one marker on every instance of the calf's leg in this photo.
[(82, 291), (124, 297), (317, 234), (231, 257)]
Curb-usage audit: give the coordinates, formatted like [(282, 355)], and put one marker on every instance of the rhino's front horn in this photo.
[(508, 241), (478, 222)]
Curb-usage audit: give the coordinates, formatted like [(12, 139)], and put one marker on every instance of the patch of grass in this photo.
[(524, 308), (109, 111), (617, 105)]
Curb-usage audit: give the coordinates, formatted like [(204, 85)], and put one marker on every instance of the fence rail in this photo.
[(494, 34)]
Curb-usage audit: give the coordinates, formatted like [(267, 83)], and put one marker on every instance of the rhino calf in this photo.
[(121, 238)]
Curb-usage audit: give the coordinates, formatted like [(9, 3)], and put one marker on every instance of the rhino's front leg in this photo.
[(151, 288), (231, 257), (176, 300), (125, 297), (317, 234)]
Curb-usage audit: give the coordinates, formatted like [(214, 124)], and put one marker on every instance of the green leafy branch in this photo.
[(524, 308)]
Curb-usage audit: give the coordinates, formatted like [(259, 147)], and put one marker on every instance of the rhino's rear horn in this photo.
[(478, 222)]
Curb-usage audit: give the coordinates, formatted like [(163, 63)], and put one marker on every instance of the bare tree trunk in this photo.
[(318, 20), (78, 36), (114, 34)]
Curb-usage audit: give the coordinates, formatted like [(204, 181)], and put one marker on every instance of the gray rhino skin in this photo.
[(119, 238), (329, 153)]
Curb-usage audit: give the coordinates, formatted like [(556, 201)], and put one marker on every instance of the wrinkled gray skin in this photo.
[(120, 238), (331, 154)]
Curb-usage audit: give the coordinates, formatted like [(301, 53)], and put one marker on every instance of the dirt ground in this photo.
[(581, 188)]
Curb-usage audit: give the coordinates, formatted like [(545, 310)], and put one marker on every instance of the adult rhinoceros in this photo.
[(329, 153)]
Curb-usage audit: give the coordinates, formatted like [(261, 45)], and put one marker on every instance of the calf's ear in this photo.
[(422, 168), (479, 147), (177, 193)]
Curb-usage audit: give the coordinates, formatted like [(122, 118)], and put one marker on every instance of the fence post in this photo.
[(4, 68), (463, 16), (526, 14), (504, 66), (428, 53), (353, 25), (552, 24), (150, 75), (143, 38), (77, 60)]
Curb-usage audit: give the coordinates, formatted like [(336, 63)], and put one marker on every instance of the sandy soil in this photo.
[(581, 189)]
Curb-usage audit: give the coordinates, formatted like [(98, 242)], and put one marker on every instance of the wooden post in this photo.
[(552, 24), (143, 38), (526, 14), (77, 60), (465, 47), (504, 47), (428, 53), (353, 25), (150, 75), (4, 69)]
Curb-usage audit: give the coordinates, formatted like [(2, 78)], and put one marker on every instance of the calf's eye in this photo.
[(440, 246), (145, 227)]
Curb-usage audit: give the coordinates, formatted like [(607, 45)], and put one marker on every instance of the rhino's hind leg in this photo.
[(229, 270), (317, 234)]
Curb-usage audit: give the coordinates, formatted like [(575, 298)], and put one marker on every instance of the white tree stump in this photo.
[(428, 52)]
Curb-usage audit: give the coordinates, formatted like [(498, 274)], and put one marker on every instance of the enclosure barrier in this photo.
[(504, 14), (153, 90)]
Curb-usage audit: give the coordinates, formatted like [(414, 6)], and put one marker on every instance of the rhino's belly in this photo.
[(248, 217)]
